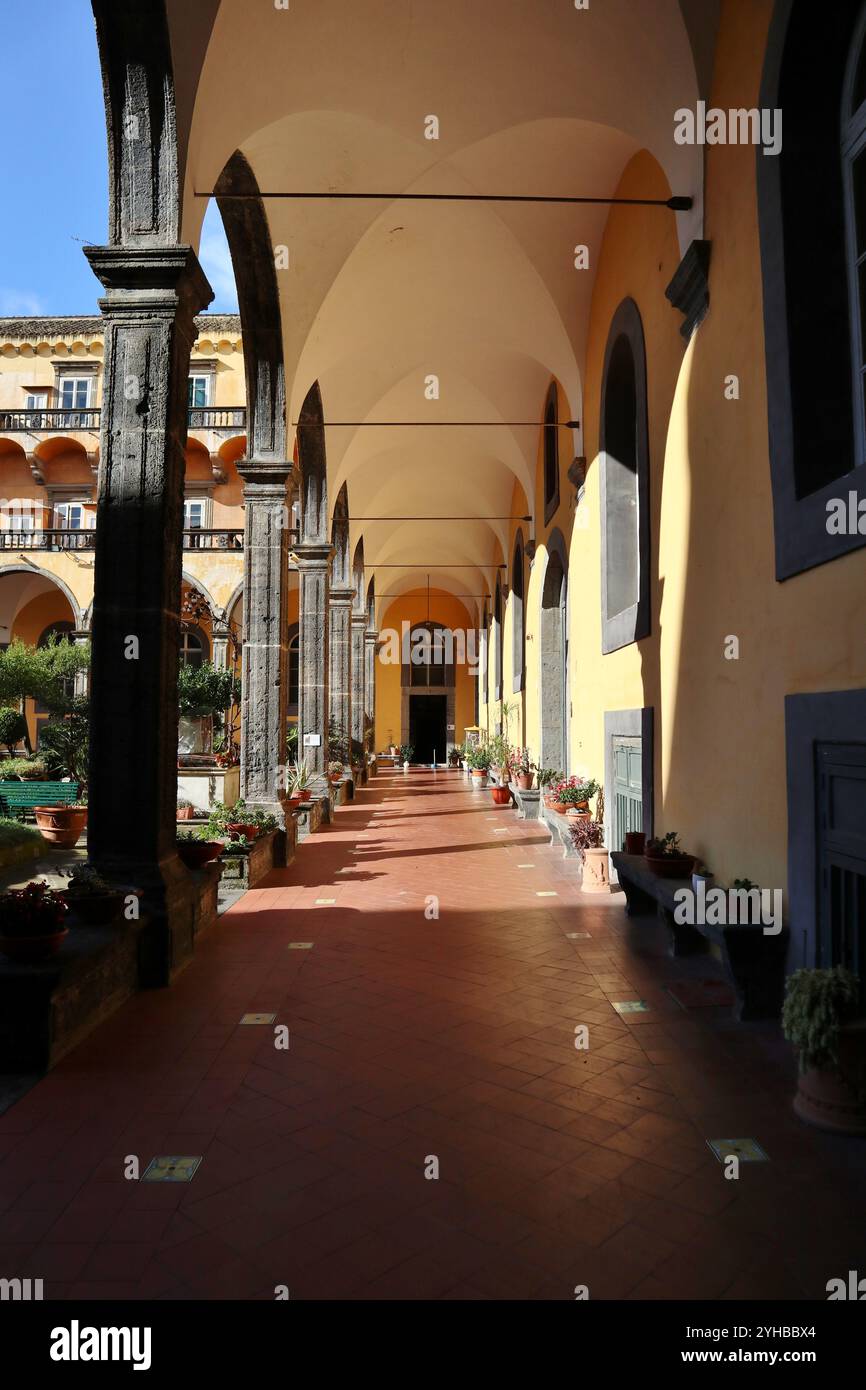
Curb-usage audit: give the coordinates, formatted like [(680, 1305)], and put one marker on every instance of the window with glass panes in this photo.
[(198, 392)]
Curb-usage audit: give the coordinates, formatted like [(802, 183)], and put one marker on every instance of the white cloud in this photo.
[(216, 262), (20, 304)]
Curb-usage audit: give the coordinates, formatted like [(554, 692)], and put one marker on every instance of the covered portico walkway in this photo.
[(412, 1038)]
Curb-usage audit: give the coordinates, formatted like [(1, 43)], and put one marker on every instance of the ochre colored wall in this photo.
[(412, 608)]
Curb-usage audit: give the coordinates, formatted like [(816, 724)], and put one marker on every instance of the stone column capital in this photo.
[(372, 634), (359, 621), (265, 478), (343, 598), (150, 281), (312, 555)]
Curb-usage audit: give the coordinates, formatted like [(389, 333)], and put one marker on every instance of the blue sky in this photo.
[(54, 166)]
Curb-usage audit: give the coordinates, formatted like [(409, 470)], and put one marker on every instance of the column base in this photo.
[(176, 904)]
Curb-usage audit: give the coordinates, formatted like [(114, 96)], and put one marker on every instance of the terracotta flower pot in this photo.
[(635, 842), (524, 780), (29, 950), (579, 811), (94, 909), (670, 866), (560, 807), (185, 812), (501, 796), (830, 1101), (249, 832), (596, 870), (295, 801), (61, 825), (195, 853)]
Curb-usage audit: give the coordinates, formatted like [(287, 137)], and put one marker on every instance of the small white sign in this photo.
[(312, 740)]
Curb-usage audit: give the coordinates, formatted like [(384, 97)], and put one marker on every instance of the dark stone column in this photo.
[(264, 675), (314, 568), (371, 646), (359, 678), (340, 657), (153, 293)]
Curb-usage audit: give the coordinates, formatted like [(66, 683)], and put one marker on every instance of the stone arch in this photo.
[(554, 656), (313, 467), (29, 572), (252, 252), (358, 575)]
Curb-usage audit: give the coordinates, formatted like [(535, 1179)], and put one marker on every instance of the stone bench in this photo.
[(528, 803), (754, 961), (559, 827)]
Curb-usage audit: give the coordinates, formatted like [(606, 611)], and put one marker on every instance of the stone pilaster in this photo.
[(220, 645), (264, 673), (152, 295), (313, 559), (340, 658), (371, 646), (359, 680)]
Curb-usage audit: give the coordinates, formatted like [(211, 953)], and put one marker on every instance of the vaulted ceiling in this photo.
[(532, 97)]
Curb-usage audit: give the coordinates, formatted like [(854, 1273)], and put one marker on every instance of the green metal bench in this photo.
[(17, 798)]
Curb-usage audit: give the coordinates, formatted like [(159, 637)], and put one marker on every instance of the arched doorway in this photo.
[(554, 661), (428, 690)]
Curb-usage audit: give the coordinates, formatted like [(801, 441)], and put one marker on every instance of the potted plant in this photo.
[(500, 753), (335, 771), (185, 809), (666, 857), (523, 769), (701, 874), (588, 836), (32, 923), (93, 901), (576, 793), (479, 762), (635, 842), (822, 1018), (407, 753), (548, 777), (203, 691), (61, 825), (23, 770), (555, 799), (196, 849), (299, 783), (501, 794)]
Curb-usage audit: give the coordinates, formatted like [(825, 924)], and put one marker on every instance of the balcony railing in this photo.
[(200, 539), (48, 421), (212, 417), (48, 540), (217, 417), (195, 539)]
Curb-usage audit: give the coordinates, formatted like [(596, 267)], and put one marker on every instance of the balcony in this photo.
[(195, 539), (231, 418)]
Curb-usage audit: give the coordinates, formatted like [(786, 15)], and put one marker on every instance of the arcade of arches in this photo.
[(599, 471)]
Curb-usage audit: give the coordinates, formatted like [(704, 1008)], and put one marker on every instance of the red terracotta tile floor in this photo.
[(414, 1038)]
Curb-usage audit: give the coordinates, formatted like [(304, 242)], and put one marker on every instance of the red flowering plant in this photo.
[(574, 791), (32, 911)]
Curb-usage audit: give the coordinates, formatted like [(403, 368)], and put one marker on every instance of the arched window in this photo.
[(625, 531), (551, 453), (814, 338), (194, 646), (496, 638), (518, 619), (59, 630), (428, 657), (294, 667)]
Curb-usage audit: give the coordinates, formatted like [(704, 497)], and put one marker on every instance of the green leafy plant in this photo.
[(817, 1004), (478, 757), (338, 743), (32, 911), (292, 742), (744, 883), (25, 769), (573, 792), (206, 690), (13, 834), (668, 847), (299, 778), (500, 750), (64, 742), (407, 752), (13, 728), (86, 881)]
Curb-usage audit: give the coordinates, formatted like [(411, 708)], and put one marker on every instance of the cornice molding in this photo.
[(43, 328)]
